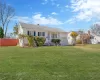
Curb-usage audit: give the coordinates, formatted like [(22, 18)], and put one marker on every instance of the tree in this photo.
[(15, 29), (6, 14), (30, 41), (22, 36), (95, 29), (73, 35), (81, 32), (85, 37), (1, 32)]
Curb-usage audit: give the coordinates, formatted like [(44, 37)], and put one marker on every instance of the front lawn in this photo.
[(93, 46), (49, 63)]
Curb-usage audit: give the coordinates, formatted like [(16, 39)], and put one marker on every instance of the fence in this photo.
[(8, 42)]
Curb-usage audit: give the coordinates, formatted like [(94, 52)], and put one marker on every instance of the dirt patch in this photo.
[(86, 48)]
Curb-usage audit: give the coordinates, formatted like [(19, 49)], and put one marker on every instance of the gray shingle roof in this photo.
[(32, 26)]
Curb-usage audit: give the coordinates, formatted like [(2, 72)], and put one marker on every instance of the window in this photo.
[(39, 33), (28, 32), (54, 36), (43, 33), (34, 33)]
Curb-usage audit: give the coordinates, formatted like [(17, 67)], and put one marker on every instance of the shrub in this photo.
[(1, 33), (56, 41), (39, 41), (78, 42), (30, 40), (73, 35)]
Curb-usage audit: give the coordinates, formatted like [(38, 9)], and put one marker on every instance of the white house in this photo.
[(95, 39), (86, 37), (70, 39), (43, 31)]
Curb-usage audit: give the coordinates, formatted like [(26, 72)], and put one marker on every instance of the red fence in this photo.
[(8, 42)]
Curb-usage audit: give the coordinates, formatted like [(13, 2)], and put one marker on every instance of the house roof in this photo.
[(36, 27)]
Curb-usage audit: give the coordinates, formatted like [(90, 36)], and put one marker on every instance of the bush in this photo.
[(30, 40), (78, 42), (1, 33), (73, 34), (39, 41), (56, 41)]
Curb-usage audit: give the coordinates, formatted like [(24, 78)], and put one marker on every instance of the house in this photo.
[(95, 33), (85, 37), (95, 39), (42, 31)]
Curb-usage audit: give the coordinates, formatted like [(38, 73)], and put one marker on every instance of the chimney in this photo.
[(88, 32)]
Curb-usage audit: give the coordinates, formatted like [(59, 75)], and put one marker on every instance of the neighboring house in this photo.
[(70, 39), (84, 36), (42, 31), (95, 39), (95, 33)]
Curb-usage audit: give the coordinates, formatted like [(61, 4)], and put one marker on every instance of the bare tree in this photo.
[(81, 32), (85, 37), (15, 29), (6, 14), (95, 29)]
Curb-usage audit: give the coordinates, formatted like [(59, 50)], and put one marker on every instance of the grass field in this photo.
[(50, 63)]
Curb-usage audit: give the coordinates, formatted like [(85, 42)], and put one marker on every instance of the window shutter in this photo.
[(38, 34), (34, 33), (28, 33)]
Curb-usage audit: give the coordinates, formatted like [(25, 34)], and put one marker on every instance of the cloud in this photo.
[(58, 5), (45, 2), (38, 19), (52, 2), (67, 6), (22, 19), (30, 7), (70, 21), (54, 13), (85, 9)]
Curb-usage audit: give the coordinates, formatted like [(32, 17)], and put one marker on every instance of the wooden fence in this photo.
[(9, 42)]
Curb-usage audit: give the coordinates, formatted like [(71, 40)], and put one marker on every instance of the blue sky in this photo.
[(65, 14)]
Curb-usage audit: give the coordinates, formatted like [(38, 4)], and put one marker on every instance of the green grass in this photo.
[(96, 46), (49, 63)]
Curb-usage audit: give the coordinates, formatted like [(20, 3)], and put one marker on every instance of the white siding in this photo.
[(20, 30), (61, 35), (96, 40), (63, 38)]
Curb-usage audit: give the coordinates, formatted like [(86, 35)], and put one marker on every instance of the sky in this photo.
[(69, 15)]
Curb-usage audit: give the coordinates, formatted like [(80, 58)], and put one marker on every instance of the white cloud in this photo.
[(45, 2), (39, 19), (22, 19), (54, 13), (70, 21), (52, 2), (67, 6), (86, 9), (58, 5)]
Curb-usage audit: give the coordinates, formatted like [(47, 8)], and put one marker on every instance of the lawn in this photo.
[(49, 63)]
